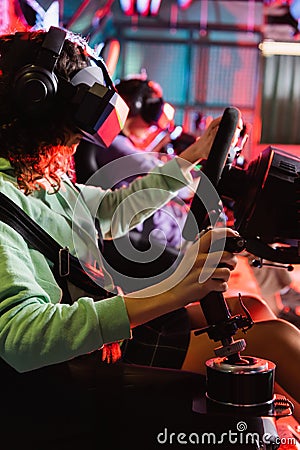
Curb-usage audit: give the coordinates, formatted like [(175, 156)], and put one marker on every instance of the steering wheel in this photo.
[(214, 306), (213, 171)]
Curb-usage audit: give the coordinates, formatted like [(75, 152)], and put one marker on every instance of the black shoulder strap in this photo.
[(65, 264)]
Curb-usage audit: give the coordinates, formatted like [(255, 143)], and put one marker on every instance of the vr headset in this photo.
[(97, 109)]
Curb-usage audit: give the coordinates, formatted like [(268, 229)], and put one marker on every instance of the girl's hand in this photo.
[(196, 276), (199, 271), (201, 147)]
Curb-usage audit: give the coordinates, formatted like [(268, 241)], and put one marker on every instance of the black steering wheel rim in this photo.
[(213, 169)]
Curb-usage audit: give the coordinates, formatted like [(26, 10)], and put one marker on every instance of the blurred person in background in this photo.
[(137, 150)]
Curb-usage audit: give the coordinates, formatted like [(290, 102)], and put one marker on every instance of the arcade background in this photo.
[(204, 53)]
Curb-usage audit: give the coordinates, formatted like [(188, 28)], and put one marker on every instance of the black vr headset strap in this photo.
[(107, 78), (51, 48), (66, 266)]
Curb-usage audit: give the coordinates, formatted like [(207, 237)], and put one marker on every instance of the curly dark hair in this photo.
[(36, 147)]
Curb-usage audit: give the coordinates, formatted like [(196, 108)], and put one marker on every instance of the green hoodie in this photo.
[(36, 329)]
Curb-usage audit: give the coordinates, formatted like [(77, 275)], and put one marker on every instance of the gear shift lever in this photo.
[(233, 380), (221, 325)]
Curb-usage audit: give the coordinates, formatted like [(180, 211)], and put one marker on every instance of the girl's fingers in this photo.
[(221, 274), (215, 235)]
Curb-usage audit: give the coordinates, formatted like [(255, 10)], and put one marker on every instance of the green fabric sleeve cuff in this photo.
[(177, 178), (115, 325)]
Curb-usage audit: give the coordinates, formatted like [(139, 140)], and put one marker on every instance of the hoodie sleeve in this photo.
[(121, 210), (36, 330)]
